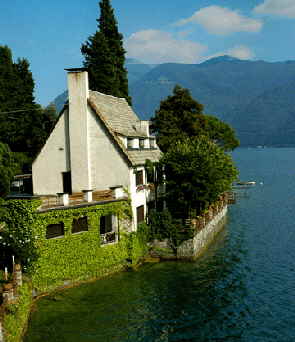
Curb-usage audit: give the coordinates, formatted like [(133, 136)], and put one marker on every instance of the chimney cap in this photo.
[(76, 69)]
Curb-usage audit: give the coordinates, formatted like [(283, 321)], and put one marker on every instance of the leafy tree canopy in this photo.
[(180, 117), (221, 133), (197, 172), (104, 55)]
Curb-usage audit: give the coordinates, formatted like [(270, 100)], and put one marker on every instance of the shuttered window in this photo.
[(55, 230), (80, 225)]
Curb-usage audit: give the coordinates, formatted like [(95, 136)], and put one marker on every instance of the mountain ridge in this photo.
[(236, 91)]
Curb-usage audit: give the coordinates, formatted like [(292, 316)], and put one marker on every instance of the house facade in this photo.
[(98, 145)]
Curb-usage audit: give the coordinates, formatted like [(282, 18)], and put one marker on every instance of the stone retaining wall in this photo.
[(194, 247)]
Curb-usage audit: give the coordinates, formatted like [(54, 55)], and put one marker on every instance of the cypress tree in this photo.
[(105, 56)]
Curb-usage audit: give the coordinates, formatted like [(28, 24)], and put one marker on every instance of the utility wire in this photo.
[(21, 110)]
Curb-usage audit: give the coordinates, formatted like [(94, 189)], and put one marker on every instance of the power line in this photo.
[(21, 110)]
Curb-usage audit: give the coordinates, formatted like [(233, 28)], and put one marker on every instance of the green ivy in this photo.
[(72, 257), (17, 315)]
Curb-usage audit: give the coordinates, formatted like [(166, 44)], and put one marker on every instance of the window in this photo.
[(152, 143), (129, 143), (67, 182), (55, 230), (80, 225), (140, 214), (139, 178), (107, 229), (141, 143)]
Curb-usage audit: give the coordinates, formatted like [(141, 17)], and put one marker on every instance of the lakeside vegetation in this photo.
[(195, 169)]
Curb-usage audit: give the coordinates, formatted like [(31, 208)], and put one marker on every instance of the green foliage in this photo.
[(138, 243), (72, 257), (178, 117), (17, 237), (221, 133), (164, 226), (8, 168), (197, 172), (104, 56), (17, 315), (24, 125)]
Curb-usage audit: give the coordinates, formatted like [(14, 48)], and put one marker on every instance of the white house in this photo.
[(98, 143)]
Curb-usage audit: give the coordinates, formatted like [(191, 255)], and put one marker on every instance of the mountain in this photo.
[(269, 119), (136, 69), (255, 97)]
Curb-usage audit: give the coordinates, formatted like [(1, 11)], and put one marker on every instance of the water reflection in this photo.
[(241, 290)]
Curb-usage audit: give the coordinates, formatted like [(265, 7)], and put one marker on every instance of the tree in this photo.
[(197, 172), (8, 168), (24, 125), (180, 117), (221, 133), (7, 78), (104, 56)]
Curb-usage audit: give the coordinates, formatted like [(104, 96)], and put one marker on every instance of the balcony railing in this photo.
[(108, 238)]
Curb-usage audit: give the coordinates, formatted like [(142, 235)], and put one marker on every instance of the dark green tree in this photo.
[(8, 168), (24, 125), (104, 55), (8, 80), (180, 117), (221, 133), (197, 172)]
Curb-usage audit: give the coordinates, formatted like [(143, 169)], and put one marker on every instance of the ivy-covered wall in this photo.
[(74, 257), (17, 314), (79, 256)]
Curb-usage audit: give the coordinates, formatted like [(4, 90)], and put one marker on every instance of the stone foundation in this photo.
[(194, 247)]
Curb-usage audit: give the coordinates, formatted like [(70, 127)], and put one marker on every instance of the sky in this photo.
[(50, 33)]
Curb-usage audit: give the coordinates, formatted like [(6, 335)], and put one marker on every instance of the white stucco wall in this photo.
[(138, 198), (108, 166), (52, 160)]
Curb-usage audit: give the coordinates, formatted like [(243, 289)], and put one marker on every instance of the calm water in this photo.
[(242, 290)]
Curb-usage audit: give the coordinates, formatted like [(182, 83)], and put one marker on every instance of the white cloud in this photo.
[(239, 51), (155, 46), (221, 21), (277, 7)]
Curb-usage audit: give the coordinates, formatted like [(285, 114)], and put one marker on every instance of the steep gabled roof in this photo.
[(119, 119), (118, 114)]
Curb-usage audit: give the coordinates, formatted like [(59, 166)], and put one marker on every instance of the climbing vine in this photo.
[(71, 257)]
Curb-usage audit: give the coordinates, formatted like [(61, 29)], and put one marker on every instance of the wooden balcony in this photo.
[(53, 201)]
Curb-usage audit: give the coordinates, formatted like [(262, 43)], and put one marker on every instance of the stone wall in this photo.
[(194, 247)]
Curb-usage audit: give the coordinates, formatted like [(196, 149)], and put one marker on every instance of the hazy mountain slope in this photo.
[(269, 119), (135, 68), (256, 97), (222, 84)]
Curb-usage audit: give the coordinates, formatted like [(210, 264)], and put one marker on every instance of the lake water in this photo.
[(241, 290)]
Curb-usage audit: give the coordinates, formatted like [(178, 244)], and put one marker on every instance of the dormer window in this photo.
[(129, 143), (152, 143), (141, 144)]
